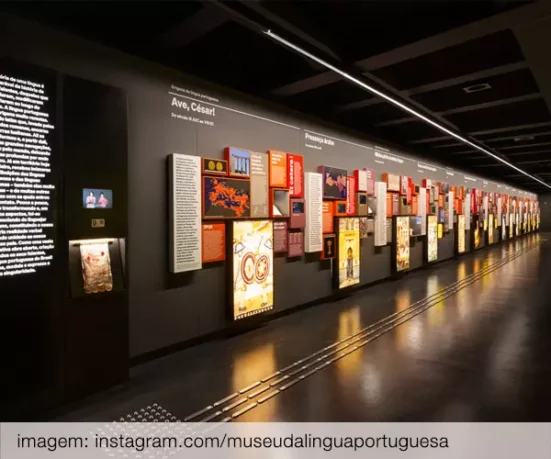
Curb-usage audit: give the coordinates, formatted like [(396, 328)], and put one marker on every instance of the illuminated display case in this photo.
[(431, 251), (251, 285), (347, 273), (400, 258), (461, 246)]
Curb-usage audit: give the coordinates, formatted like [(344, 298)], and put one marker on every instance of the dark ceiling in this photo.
[(423, 53)]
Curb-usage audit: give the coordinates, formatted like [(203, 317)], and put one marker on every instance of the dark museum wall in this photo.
[(166, 309), (545, 206)]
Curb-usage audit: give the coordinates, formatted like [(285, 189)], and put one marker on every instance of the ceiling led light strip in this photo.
[(399, 104)]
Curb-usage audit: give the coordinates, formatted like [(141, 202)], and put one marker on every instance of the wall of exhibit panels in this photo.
[(166, 309)]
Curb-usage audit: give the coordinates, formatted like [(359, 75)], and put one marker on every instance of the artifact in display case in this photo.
[(339, 209), (329, 246), (372, 206), (280, 203), (214, 166), (298, 217), (226, 198), (295, 175), (280, 236), (461, 234), (415, 226), (334, 182), (278, 169), (364, 227), (349, 252), (253, 260), (97, 198), (213, 242), (392, 182), (96, 267), (401, 243), (432, 238), (328, 216), (239, 162), (361, 204), (295, 246)]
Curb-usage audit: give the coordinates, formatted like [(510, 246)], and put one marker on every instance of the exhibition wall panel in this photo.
[(545, 205), (172, 113)]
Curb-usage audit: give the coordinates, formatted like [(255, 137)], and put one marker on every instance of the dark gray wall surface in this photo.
[(545, 206), (166, 309)]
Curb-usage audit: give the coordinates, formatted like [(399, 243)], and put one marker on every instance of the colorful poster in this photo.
[(440, 230), (278, 169), (239, 162), (96, 268), (226, 198), (349, 252), (259, 185), (334, 182), (402, 243), (214, 242), (461, 234), (253, 260), (432, 238), (350, 195), (295, 175)]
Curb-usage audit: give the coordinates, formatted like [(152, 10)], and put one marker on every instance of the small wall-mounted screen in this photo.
[(97, 198), (363, 199), (298, 208)]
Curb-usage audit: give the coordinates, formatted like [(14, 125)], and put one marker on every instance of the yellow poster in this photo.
[(432, 238), (491, 229), (461, 233), (349, 252), (440, 230), (402, 243), (253, 261)]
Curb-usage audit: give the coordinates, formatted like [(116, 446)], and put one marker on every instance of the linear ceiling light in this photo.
[(398, 104)]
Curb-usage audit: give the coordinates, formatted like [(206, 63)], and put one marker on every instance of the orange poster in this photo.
[(327, 208), (278, 169), (389, 205), (214, 242)]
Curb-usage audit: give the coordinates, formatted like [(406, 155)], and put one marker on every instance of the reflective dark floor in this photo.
[(478, 351)]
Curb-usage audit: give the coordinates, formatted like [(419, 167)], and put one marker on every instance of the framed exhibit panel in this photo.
[(364, 227), (280, 203), (361, 179), (491, 229), (239, 162), (392, 182), (400, 244), (422, 209), (295, 175), (281, 227), (395, 204), (313, 196), (511, 225), (329, 246), (339, 209), (225, 197), (328, 220), (213, 242), (351, 196), (259, 185), (370, 182), (348, 252), (278, 169), (334, 182), (295, 246), (298, 216), (503, 227), (252, 280), (185, 214), (432, 239), (449, 209), (380, 217), (362, 207), (212, 166), (460, 234)]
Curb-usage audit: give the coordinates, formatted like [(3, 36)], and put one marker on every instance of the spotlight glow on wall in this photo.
[(399, 104)]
